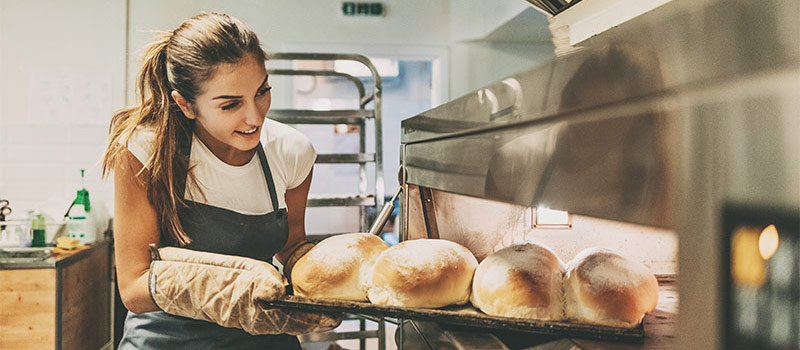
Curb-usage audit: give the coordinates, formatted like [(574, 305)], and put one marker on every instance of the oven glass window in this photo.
[(763, 279)]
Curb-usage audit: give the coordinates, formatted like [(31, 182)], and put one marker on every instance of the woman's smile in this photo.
[(247, 132)]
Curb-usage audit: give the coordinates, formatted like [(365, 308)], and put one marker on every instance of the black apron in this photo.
[(223, 231)]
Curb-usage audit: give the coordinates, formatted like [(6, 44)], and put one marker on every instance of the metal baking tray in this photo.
[(464, 316)]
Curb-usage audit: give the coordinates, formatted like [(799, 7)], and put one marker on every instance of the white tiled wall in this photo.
[(40, 165), (59, 85), (3, 142)]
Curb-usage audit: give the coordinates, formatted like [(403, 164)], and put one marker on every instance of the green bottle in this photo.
[(38, 230)]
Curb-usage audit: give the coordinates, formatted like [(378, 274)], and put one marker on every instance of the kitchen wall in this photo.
[(513, 37), (62, 78), (62, 73), (478, 63), (491, 39)]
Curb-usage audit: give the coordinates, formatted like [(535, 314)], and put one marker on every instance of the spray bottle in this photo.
[(78, 221)]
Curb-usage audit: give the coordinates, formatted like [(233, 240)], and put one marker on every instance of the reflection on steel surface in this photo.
[(480, 225), (598, 132)]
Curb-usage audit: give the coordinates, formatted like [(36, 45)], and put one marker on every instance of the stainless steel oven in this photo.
[(660, 138)]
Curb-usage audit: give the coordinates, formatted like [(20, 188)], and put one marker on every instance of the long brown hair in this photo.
[(181, 60)]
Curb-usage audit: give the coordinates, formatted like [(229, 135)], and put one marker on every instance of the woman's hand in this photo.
[(225, 289)]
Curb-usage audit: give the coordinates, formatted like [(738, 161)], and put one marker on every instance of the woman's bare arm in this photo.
[(135, 227), (296, 199)]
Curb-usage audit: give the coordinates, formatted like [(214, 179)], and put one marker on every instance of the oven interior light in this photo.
[(551, 218), (768, 242)]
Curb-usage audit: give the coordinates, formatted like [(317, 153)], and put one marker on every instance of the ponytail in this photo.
[(156, 110)]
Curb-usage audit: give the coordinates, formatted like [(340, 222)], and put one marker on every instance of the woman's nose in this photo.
[(254, 115)]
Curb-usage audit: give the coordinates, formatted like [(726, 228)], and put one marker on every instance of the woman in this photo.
[(191, 172)]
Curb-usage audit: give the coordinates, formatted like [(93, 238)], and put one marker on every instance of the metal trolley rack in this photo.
[(363, 198)]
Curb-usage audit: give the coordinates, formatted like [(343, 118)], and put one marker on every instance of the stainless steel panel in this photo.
[(682, 45), (660, 121), (596, 132), (514, 98), (610, 164), (341, 201), (426, 335), (335, 158)]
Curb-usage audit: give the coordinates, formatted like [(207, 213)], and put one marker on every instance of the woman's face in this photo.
[(231, 108)]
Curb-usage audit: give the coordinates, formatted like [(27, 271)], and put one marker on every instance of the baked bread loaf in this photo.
[(423, 273), (602, 287), (523, 280), (338, 267)]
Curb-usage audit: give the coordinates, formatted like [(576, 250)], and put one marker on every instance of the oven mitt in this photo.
[(223, 289)]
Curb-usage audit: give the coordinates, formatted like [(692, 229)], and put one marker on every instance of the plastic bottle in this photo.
[(38, 228), (78, 222), (78, 225), (22, 231)]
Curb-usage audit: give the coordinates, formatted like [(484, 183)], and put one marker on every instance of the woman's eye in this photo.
[(229, 106), (264, 90)]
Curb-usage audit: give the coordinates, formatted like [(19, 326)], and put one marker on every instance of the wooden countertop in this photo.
[(62, 302)]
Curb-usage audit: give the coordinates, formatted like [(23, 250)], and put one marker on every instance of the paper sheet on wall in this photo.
[(69, 98)]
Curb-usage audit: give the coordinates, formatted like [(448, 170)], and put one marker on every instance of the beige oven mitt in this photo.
[(223, 289)]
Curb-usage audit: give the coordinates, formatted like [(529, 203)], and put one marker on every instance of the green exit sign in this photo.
[(350, 8)]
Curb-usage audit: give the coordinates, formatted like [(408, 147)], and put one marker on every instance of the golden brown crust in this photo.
[(423, 273), (417, 278), (611, 288), (337, 267), (525, 288), (522, 281), (531, 290)]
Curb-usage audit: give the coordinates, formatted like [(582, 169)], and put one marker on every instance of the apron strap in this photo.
[(268, 175)]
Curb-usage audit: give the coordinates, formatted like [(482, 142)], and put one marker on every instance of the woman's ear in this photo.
[(186, 108)]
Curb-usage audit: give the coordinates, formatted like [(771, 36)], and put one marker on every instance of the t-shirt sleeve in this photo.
[(300, 159), (141, 144)]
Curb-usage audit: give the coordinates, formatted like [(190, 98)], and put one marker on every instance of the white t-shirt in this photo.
[(242, 189)]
